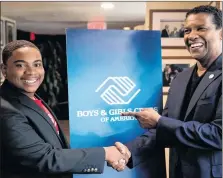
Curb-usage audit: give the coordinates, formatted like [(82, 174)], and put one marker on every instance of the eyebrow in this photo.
[(19, 61), (22, 61)]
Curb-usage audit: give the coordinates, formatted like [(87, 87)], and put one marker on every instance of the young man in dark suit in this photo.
[(191, 123), (32, 142)]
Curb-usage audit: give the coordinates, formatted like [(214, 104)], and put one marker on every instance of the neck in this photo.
[(205, 64), (200, 69)]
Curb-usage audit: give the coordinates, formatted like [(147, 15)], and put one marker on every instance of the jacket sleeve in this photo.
[(29, 150), (141, 147), (171, 132), (144, 152), (145, 145)]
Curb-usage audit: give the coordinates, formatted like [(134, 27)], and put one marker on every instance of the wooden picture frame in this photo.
[(2, 33), (2, 78), (1, 55), (170, 67), (10, 31), (169, 17), (219, 4)]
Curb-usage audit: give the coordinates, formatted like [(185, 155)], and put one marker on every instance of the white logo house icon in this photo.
[(118, 90)]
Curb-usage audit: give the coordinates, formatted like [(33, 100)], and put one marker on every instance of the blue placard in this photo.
[(109, 72)]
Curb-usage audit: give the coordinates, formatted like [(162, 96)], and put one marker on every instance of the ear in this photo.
[(3, 69)]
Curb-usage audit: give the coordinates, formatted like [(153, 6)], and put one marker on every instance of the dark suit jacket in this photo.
[(146, 156), (164, 33), (196, 143), (30, 146)]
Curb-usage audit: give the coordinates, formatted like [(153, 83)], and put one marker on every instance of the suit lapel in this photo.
[(181, 91), (61, 131), (205, 82), (212, 73), (24, 100)]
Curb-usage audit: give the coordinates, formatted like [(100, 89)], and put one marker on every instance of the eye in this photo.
[(19, 65), (38, 65), (186, 31), (201, 29)]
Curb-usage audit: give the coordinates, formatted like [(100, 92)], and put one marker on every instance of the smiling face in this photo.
[(202, 39), (24, 69)]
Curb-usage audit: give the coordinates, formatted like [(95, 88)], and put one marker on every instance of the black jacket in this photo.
[(30, 146)]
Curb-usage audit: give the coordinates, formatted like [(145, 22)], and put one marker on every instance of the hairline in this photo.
[(209, 14), (24, 46)]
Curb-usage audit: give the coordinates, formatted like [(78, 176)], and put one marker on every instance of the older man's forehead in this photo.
[(198, 19)]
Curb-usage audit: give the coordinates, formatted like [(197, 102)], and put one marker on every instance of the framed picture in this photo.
[(171, 67), (171, 25), (219, 4), (2, 33), (1, 54), (1, 75), (10, 31)]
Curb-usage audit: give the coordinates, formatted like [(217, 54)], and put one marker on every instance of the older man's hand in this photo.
[(148, 117), (123, 150)]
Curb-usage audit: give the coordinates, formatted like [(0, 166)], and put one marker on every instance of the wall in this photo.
[(170, 5), (8, 30), (8, 33)]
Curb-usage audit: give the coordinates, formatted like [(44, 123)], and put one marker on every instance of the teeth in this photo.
[(196, 45), (30, 81)]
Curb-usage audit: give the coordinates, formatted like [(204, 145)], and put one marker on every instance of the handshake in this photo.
[(117, 156)]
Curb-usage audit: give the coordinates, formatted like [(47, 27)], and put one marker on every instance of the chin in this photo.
[(30, 89), (196, 56)]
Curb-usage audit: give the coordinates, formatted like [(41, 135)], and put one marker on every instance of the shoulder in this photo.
[(181, 76), (6, 105), (9, 111)]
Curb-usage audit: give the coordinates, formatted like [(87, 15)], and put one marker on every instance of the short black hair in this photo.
[(211, 10), (14, 45)]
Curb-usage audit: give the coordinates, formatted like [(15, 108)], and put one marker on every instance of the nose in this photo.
[(30, 70), (193, 35)]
